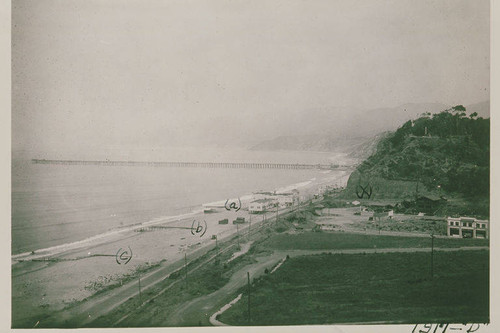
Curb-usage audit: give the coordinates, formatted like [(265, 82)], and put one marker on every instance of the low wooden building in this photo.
[(429, 204)]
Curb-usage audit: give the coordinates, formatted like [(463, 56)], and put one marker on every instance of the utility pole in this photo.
[(185, 270), (249, 226), (140, 293), (217, 244), (432, 256), (416, 188), (238, 234), (248, 277)]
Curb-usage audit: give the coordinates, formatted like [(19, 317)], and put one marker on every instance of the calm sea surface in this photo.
[(59, 204)]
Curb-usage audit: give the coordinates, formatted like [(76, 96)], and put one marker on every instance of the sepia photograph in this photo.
[(215, 163)]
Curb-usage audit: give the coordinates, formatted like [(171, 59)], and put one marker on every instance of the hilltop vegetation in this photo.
[(446, 153)]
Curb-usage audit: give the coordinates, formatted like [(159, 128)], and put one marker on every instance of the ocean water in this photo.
[(59, 204)]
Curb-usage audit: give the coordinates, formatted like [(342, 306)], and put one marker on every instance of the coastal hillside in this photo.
[(442, 155), (339, 129), (324, 143), (366, 148)]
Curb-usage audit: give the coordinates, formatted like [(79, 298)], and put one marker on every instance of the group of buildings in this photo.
[(460, 227), (268, 201)]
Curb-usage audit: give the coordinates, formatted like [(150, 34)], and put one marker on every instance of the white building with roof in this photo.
[(468, 227), (261, 205)]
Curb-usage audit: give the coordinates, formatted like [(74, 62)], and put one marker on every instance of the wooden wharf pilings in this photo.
[(224, 165)]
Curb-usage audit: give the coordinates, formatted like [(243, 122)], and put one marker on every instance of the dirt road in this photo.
[(198, 311)]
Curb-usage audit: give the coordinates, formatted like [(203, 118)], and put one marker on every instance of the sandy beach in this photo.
[(50, 279)]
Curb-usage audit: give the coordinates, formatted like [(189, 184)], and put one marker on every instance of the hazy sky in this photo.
[(114, 72)]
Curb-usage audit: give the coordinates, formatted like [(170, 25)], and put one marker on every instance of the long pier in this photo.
[(222, 165)]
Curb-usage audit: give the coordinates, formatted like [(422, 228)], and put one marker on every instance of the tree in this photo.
[(459, 113), (459, 108)]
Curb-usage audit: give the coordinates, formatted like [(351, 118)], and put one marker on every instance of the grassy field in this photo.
[(327, 289), (331, 241)]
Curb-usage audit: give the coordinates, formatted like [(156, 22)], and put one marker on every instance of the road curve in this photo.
[(197, 312)]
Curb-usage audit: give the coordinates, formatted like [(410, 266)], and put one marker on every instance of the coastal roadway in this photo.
[(197, 312), (234, 279), (84, 313), (194, 312)]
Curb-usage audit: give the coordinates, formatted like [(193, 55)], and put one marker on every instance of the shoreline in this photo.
[(42, 287), (115, 232), (58, 249)]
